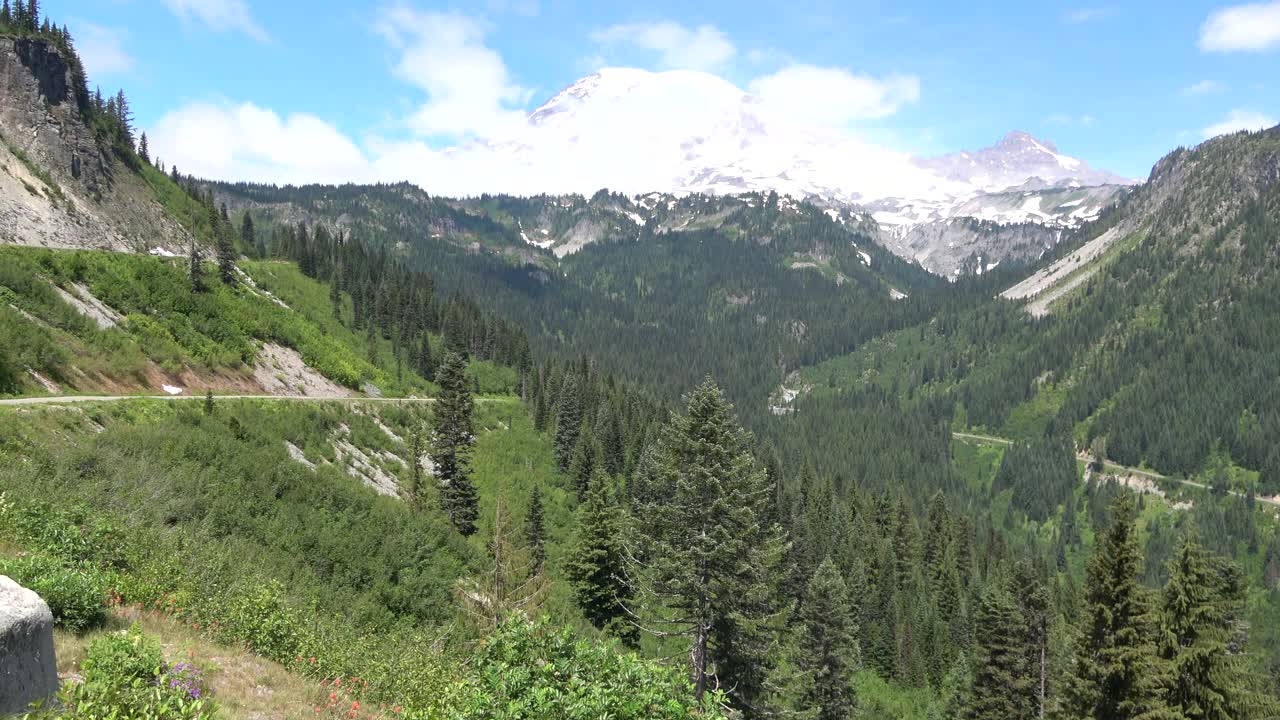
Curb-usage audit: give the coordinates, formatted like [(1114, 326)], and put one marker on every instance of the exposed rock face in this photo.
[(28, 672), (59, 187), (965, 245)]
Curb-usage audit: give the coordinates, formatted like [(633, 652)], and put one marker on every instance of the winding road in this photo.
[(1113, 468)]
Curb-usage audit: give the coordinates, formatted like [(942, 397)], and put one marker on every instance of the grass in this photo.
[(245, 685), (169, 330)]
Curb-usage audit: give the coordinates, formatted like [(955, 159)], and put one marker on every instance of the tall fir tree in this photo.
[(1035, 605), (1197, 623), (144, 151), (568, 421), (703, 552), (226, 257), (586, 459), (1117, 673), (535, 530), (595, 562), (1002, 687), (452, 440), (828, 646), (196, 268)]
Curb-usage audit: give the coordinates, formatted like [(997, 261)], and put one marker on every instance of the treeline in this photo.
[(390, 301)]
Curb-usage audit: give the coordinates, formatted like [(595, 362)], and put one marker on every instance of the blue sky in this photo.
[(1116, 84)]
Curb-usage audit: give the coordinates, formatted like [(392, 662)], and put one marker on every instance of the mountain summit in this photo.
[(1016, 159)]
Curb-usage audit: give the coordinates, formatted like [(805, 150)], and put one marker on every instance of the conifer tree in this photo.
[(937, 537), (828, 651), (586, 459), (1196, 634), (452, 440), (1002, 687), (568, 421), (535, 531), (226, 258), (6, 13), (196, 268), (415, 484), (595, 565), (426, 368), (1117, 673), (144, 151), (33, 15), (249, 236), (702, 551), (1032, 598)]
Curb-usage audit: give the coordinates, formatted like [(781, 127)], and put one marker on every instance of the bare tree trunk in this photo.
[(699, 658)]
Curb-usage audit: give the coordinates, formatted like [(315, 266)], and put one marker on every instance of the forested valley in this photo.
[(732, 459)]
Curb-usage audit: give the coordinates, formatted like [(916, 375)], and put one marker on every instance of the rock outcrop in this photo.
[(59, 186), (28, 672)]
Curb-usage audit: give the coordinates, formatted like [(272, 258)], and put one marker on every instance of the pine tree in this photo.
[(196, 268), (226, 258), (424, 363), (249, 237), (208, 402), (415, 468), (1117, 673), (452, 440), (595, 562), (535, 531), (1001, 680), (585, 461), (6, 14), (612, 444), (937, 537), (828, 651), (1032, 599), (568, 422), (144, 152), (33, 15), (702, 551), (1196, 634)]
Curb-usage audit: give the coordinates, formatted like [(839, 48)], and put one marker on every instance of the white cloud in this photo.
[(1239, 120), (1254, 27), (219, 15), (102, 49), (469, 89), (1068, 119), (1204, 87), (1084, 15), (245, 141), (679, 47), (834, 97)]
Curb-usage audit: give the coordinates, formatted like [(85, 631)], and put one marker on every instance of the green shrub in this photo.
[(532, 670), (258, 615), (126, 678), (75, 596), (118, 659)]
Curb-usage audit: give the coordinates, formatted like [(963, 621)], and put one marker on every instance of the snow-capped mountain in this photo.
[(1019, 159), (687, 132)]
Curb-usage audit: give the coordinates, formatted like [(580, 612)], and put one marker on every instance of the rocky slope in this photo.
[(59, 186)]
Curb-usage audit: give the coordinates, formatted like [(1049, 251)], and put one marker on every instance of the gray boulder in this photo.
[(28, 671)]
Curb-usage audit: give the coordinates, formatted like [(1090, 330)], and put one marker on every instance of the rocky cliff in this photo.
[(60, 187)]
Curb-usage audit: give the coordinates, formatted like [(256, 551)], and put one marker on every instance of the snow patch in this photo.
[(172, 390)]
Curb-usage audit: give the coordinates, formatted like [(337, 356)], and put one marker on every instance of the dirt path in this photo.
[(1115, 469)]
